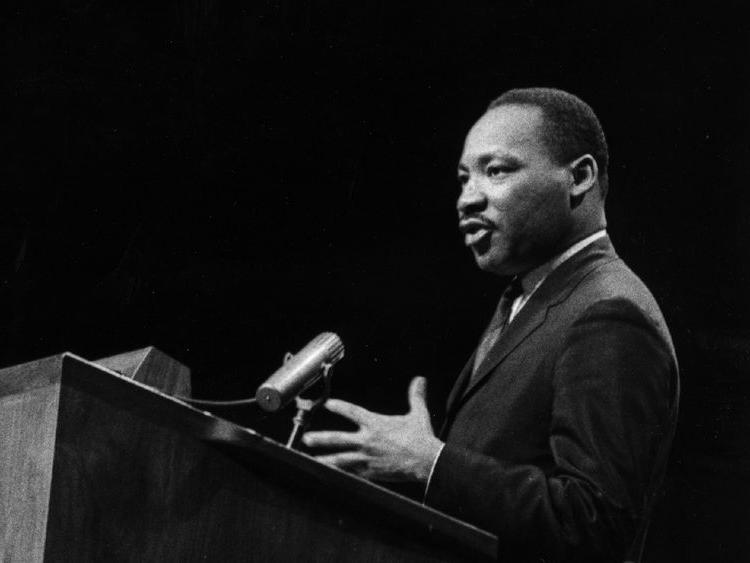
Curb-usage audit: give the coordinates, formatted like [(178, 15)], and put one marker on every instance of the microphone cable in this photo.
[(212, 403)]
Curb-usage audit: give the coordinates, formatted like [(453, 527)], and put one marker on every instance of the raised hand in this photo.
[(384, 448)]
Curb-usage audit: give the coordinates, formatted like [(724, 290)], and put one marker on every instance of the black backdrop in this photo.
[(225, 180)]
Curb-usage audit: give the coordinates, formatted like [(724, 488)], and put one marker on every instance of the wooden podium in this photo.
[(99, 463)]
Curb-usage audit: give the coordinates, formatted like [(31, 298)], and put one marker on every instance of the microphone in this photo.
[(300, 371)]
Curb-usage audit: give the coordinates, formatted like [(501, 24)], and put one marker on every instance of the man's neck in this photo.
[(534, 278)]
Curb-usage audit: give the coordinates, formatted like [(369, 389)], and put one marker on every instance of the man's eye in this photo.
[(462, 179), (496, 169)]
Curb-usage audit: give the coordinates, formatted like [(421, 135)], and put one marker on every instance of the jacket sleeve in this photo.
[(614, 386)]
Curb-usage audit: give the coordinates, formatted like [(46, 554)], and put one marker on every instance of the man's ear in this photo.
[(585, 173)]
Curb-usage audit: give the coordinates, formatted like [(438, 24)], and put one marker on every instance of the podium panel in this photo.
[(102, 467)]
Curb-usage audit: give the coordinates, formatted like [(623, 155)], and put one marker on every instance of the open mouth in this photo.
[(475, 236), (475, 231)]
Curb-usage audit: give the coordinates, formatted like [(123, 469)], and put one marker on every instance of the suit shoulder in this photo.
[(613, 287), (613, 280)]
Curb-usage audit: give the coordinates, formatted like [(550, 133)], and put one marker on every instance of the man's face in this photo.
[(514, 207)]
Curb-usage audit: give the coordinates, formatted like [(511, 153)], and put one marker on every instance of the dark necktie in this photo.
[(498, 323)]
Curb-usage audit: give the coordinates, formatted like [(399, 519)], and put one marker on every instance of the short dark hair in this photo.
[(571, 128)]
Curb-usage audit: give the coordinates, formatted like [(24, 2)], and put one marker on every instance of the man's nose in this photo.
[(471, 200)]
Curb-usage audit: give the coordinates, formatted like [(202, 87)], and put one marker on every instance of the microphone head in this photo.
[(299, 372), (331, 343)]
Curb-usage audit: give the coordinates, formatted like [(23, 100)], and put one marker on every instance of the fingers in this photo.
[(343, 460), (331, 439), (418, 395), (351, 411)]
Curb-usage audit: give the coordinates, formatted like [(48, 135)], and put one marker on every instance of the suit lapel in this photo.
[(460, 385), (553, 290), (512, 336), (528, 320)]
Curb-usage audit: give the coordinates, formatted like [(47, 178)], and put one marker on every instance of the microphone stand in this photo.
[(306, 408)]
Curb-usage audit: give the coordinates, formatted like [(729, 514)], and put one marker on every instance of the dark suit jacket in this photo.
[(560, 446)]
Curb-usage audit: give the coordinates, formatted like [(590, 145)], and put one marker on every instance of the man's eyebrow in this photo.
[(504, 156), (487, 157), (481, 160)]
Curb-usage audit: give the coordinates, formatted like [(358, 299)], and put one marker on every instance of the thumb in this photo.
[(418, 396)]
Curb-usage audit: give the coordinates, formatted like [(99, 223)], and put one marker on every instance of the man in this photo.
[(557, 430)]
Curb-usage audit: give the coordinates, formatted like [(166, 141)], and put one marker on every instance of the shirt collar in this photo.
[(534, 278)]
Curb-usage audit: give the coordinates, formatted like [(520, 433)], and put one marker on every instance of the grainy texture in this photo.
[(29, 397)]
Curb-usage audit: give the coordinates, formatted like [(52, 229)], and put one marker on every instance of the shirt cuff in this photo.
[(432, 470)]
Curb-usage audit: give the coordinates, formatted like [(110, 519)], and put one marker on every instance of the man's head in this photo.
[(533, 179)]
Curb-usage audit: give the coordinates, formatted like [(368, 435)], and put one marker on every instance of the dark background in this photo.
[(226, 180)]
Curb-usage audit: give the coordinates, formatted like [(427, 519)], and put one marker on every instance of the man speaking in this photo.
[(558, 428)]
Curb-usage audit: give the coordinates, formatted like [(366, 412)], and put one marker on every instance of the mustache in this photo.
[(473, 223)]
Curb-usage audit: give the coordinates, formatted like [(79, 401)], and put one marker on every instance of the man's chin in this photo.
[(498, 265), (490, 264)]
